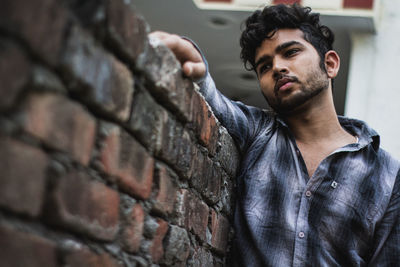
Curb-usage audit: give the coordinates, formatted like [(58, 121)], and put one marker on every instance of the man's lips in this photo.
[(283, 84)]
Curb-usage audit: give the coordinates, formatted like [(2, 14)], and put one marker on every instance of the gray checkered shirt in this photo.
[(346, 214)]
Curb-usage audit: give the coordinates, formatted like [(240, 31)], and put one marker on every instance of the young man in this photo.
[(314, 189)]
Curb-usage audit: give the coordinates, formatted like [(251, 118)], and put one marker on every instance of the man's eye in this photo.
[(291, 52), (264, 68)]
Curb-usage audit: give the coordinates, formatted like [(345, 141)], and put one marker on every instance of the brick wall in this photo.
[(108, 155)]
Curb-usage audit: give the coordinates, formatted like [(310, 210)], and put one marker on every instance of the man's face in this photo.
[(289, 71)]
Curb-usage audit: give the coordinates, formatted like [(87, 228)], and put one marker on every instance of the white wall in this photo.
[(373, 92)]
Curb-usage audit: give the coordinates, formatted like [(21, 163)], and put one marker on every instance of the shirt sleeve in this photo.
[(242, 122), (387, 236)]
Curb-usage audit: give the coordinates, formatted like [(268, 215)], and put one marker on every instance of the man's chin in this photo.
[(295, 103), (291, 106)]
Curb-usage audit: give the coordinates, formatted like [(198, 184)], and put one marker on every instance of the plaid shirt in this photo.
[(346, 214)]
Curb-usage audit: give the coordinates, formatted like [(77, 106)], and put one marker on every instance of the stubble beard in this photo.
[(315, 83)]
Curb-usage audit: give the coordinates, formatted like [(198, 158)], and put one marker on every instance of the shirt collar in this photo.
[(366, 135)]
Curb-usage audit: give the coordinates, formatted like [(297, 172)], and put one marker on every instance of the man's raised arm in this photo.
[(241, 121)]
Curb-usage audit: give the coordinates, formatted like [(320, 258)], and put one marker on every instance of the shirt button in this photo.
[(301, 234), (308, 193)]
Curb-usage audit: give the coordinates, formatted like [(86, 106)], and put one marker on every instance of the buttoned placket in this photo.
[(300, 240), (302, 227)]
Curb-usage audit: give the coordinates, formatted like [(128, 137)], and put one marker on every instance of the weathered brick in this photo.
[(192, 213), (156, 248), (125, 158), (25, 249), (201, 257), (91, 14), (147, 119), (60, 123), (213, 190), (44, 80), (219, 231), (165, 78), (23, 177), (84, 206), (166, 195), (205, 123), (177, 247), (206, 178), (228, 154), (41, 23), (227, 194), (126, 29), (133, 229), (197, 167), (97, 76), (82, 256), (15, 69), (170, 138), (186, 153)]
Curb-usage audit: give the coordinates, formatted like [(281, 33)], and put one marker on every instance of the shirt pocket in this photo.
[(363, 206), (349, 219)]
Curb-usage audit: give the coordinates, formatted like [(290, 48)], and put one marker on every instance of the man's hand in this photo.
[(190, 59)]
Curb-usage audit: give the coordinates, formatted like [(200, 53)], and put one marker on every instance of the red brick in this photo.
[(41, 23), (368, 4), (110, 151), (96, 76), (133, 229), (219, 231), (156, 249), (84, 206), (205, 123), (166, 195), (126, 29), (23, 177), (193, 213), (15, 69), (125, 158), (82, 256), (25, 249), (61, 124)]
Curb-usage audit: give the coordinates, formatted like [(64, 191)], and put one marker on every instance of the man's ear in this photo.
[(332, 63)]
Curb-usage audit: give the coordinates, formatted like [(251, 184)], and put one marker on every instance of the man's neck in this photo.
[(317, 121), (317, 130)]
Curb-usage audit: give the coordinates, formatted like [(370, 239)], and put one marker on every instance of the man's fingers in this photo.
[(194, 70), (190, 59)]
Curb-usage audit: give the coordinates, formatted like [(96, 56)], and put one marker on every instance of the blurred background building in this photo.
[(367, 39)]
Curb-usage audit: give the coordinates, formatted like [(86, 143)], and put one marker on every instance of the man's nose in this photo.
[(280, 67)]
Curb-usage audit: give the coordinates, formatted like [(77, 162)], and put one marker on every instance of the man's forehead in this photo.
[(285, 35), (280, 37)]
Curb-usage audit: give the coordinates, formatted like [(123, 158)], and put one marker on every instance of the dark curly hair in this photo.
[(263, 24)]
